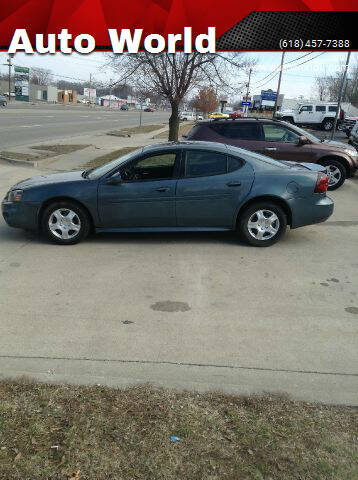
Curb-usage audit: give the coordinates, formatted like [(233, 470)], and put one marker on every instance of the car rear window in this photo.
[(238, 130), (203, 163)]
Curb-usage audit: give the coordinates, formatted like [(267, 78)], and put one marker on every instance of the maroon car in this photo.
[(282, 141)]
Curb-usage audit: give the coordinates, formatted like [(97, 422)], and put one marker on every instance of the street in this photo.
[(21, 125), (196, 311)]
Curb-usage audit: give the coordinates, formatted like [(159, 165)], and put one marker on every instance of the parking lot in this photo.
[(198, 311)]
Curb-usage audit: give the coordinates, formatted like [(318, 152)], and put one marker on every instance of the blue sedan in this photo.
[(185, 186)]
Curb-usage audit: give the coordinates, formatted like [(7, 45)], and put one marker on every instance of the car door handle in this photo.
[(162, 189), (233, 184), (271, 149)]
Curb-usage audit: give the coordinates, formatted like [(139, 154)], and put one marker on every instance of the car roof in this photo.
[(187, 143), (237, 120)]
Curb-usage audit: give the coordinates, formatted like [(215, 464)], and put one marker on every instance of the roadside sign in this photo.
[(268, 95), (246, 104), (22, 75)]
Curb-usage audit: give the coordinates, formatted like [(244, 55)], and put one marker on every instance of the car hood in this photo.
[(334, 145), (52, 178)]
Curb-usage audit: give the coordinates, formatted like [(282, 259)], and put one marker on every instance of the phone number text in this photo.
[(299, 43)]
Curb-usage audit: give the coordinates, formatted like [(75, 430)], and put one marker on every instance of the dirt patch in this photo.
[(127, 132), (60, 149), (183, 130), (353, 310), (169, 306), (20, 156), (59, 431), (108, 157)]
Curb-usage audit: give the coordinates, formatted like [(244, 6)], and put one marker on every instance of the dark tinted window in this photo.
[(320, 108), (239, 130), (153, 167), (203, 163), (332, 109), (276, 133), (306, 108), (234, 163)]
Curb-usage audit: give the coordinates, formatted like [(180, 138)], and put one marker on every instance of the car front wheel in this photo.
[(262, 224), (327, 125), (65, 223), (336, 173)]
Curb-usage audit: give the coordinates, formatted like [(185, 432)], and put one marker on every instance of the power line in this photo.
[(309, 60)]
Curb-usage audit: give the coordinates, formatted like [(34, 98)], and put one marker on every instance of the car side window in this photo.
[(306, 108), (152, 167), (332, 109), (234, 163), (239, 130), (276, 133), (320, 108), (204, 163)]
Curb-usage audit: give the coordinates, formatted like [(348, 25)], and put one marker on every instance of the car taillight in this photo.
[(322, 183)]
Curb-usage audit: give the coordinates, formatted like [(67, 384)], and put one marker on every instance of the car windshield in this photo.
[(100, 171)]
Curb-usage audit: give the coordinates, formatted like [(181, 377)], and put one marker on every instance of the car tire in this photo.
[(65, 215), (335, 169), (327, 125), (255, 220)]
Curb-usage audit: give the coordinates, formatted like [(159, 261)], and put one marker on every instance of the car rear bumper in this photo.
[(20, 215), (308, 212)]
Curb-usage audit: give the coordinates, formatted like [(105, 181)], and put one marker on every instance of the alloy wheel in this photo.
[(64, 223), (263, 225), (334, 174)]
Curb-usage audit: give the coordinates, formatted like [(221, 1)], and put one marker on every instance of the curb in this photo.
[(13, 161)]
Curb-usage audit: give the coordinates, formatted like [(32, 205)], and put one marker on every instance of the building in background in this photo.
[(67, 96)]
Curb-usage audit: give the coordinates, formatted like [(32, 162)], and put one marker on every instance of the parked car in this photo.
[(282, 141), (184, 186), (236, 114), (124, 107), (3, 101), (347, 125), (218, 115), (353, 137), (192, 116), (319, 114), (149, 109)]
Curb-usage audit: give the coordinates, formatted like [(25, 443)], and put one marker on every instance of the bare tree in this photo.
[(40, 76), (331, 85), (321, 87), (172, 76), (206, 100)]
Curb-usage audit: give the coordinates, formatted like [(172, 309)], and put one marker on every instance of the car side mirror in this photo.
[(302, 140), (115, 180)]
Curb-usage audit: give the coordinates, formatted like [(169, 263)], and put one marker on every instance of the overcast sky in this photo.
[(297, 80)]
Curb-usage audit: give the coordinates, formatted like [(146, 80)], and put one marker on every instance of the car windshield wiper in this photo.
[(85, 173)]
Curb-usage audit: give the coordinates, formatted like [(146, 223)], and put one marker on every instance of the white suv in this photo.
[(320, 114), (189, 116)]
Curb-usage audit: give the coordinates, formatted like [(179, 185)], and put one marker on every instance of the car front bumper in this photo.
[(308, 212), (20, 214)]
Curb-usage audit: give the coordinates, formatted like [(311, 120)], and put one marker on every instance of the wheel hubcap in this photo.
[(64, 223), (328, 125), (263, 224), (334, 174)]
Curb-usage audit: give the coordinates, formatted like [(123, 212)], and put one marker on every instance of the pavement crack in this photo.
[(181, 364)]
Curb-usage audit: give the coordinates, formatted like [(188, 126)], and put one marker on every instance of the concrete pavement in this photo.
[(24, 125), (198, 311)]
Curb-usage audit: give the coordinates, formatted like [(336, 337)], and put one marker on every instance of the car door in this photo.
[(282, 143), (305, 114), (210, 189), (145, 193)]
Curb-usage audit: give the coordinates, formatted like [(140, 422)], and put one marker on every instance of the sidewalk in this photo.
[(98, 145)]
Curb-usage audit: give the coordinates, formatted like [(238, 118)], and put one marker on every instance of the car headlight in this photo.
[(14, 196), (351, 152)]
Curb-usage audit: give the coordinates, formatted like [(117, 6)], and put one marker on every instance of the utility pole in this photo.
[(278, 86), (110, 93), (9, 64), (340, 95), (90, 88), (247, 92)]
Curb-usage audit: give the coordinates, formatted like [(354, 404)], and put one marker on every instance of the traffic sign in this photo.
[(246, 104)]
